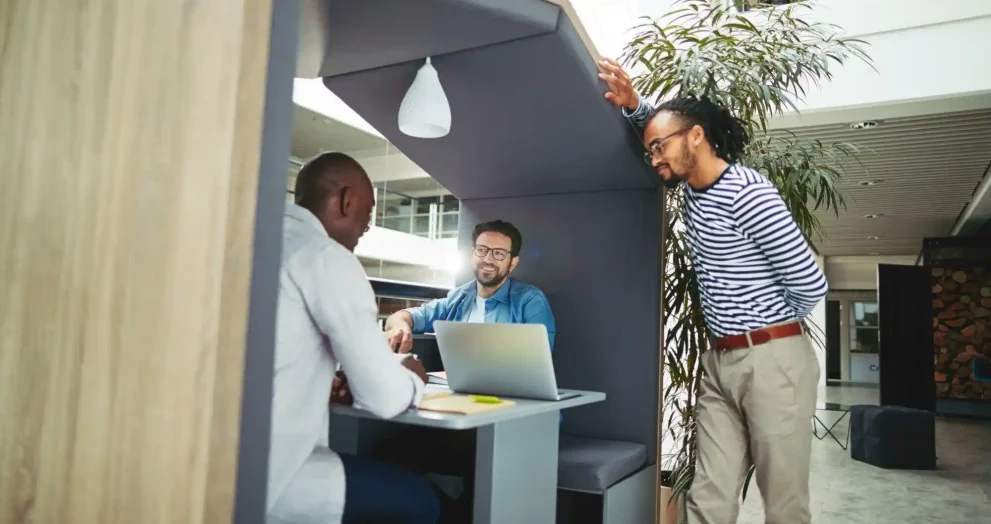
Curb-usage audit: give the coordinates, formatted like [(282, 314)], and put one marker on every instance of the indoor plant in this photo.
[(758, 63)]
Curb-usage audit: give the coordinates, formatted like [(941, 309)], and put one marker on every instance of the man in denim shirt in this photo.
[(493, 296)]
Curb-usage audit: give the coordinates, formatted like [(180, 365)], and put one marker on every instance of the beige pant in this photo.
[(755, 407)]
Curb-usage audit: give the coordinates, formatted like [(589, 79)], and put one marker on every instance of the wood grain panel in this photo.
[(129, 139)]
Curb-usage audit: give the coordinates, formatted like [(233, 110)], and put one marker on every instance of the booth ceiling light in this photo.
[(869, 182), (425, 112), (874, 215), (873, 237)]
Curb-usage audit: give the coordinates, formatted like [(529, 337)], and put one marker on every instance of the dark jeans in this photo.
[(444, 452), (377, 492)]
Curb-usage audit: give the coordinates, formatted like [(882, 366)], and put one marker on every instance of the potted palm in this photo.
[(757, 60)]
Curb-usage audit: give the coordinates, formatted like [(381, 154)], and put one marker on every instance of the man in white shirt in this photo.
[(327, 316)]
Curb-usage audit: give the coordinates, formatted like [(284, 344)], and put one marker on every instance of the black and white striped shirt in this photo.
[(752, 263)]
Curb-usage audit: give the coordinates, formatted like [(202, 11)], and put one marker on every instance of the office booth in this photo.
[(533, 141)]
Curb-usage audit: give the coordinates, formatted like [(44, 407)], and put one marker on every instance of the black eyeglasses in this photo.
[(656, 148), (498, 254)]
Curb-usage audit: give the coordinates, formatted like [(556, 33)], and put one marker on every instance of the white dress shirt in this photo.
[(326, 316)]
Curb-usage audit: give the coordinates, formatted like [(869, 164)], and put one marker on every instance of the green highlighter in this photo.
[(482, 399)]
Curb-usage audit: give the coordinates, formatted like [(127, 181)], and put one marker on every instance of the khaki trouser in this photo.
[(755, 407)]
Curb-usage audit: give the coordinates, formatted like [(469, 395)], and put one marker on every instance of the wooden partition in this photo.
[(130, 139)]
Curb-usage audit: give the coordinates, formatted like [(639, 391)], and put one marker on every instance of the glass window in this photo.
[(864, 328), (449, 204), (407, 200), (865, 314)]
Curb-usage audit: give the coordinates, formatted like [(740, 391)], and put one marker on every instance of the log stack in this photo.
[(961, 330)]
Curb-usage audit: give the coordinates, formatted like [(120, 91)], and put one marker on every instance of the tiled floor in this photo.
[(844, 491)]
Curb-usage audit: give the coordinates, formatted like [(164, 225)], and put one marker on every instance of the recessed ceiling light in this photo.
[(873, 237), (869, 182), (874, 215), (867, 124), (874, 254)]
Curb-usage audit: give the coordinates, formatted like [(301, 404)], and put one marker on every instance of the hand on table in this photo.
[(339, 391), (621, 91), (416, 366), (401, 338)]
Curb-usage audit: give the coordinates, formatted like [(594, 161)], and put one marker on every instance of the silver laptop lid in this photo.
[(511, 360)]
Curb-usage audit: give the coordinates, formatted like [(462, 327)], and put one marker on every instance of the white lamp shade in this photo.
[(425, 112)]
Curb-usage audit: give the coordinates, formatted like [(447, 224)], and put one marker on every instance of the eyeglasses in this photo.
[(498, 254), (656, 148)]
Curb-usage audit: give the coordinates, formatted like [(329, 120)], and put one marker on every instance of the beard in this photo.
[(489, 276), (687, 161)]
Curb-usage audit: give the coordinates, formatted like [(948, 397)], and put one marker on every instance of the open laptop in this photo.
[(510, 360)]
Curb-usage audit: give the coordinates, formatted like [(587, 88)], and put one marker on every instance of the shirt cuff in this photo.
[(418, 319), (418, 387), (638, 112)]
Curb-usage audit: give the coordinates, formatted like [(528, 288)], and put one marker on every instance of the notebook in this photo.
[(447, 402)]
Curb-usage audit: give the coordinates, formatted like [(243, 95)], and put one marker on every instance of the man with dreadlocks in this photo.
[(757, 280)]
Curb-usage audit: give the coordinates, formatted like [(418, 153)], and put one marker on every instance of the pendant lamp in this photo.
[(425, 112)]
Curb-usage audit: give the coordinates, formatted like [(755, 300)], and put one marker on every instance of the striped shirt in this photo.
[(752, 263)]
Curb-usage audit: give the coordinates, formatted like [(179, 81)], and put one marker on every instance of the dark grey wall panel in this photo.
[(597, 257), (365, 34), (528, 117), (259, 355)]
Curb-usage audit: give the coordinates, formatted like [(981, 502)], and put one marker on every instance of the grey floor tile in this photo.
[(844, 491)]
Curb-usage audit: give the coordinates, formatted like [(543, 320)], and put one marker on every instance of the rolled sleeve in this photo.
[(419, 319), (537, 310), (642, 113), (425, 315)]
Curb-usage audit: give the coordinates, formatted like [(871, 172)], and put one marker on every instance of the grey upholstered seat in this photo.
[(587, 464)]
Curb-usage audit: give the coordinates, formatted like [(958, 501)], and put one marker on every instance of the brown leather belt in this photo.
[(759, 336)]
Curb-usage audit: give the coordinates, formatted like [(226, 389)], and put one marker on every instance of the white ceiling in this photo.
[(930, 166), (314, 133)]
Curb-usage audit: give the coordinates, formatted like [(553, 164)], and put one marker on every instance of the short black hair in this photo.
[(323, 175), (502, 227), (726, 133)]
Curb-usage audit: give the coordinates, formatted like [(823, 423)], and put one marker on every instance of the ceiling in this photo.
[(314, 133), (930, 166)]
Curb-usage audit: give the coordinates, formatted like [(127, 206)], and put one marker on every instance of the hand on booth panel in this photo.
[(621, 91)]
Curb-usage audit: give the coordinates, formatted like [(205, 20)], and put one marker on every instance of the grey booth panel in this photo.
[(364, 35), (528, 118), (597, 257)]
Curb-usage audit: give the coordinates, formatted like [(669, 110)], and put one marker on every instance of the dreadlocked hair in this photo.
[(726, 133)]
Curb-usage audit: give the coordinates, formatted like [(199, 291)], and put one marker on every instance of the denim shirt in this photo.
[(514, 303)]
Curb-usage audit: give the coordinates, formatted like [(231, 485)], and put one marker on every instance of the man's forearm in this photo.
[(399, 320)]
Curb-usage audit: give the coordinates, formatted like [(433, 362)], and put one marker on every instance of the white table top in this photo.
[(523, 408)]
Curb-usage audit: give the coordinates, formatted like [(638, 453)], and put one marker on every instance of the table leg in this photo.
[(516, 471), (829, 430)]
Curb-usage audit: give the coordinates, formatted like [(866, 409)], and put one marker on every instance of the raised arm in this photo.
[(342, 304), (762, 215), (622, 93), (401, 325)]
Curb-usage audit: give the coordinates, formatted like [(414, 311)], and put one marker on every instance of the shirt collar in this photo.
[(502, 294), (305, 218)]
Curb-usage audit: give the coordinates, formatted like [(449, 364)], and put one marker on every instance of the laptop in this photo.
[(509, 360)]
